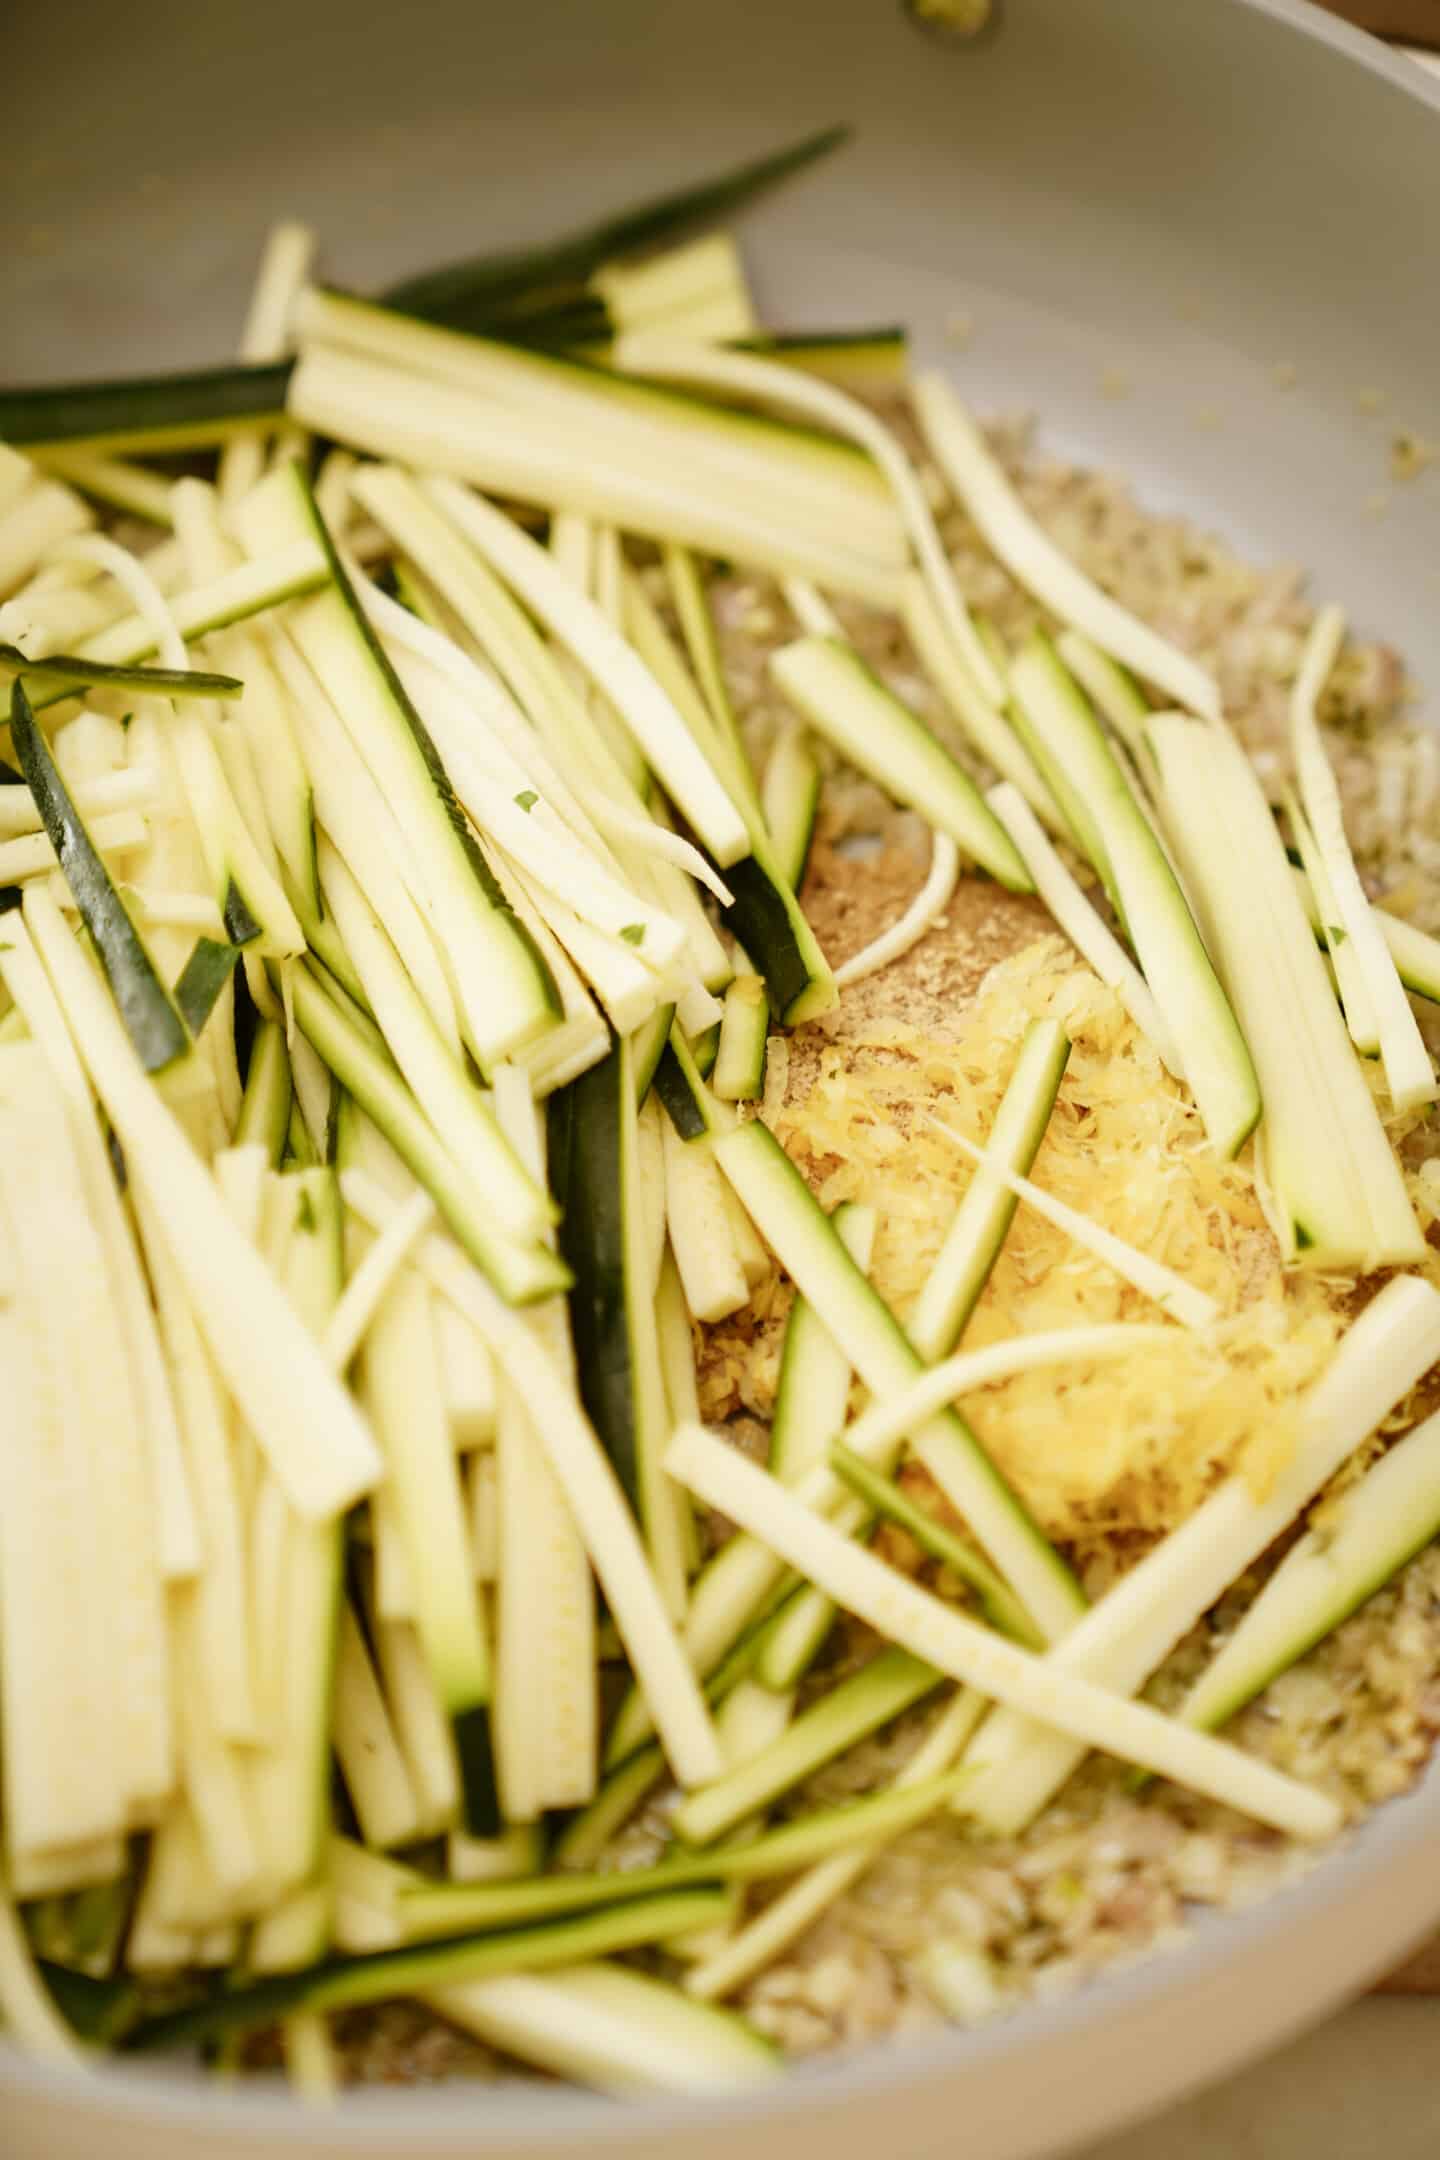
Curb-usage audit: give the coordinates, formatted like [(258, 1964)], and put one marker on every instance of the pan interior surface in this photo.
[(1197, 241)]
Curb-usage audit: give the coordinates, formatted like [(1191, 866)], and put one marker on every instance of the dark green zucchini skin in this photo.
[(531, 284), (151, 1020), (167, 411), (202, 979), (587, 1125), (60, 675)]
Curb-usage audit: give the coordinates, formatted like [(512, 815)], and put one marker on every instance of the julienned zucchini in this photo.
[(738, 1074), (151, 1019), (607, 2026), (1338, 1189), (68, 674), (829, 683), (982, 1221), (1361, 1540), (489, 288), (812, 1393), (891, 1683), (265, 1105), (202, 979), (346, 1983), (1415, 952), (598, 1177), (1171, 952), (506, 993), (790, 801), (863, 361), (520, 1269), (435, 1910), (147, 413), (283, 574), (796, 1228)]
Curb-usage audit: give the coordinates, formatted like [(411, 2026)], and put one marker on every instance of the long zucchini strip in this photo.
[(1130, 1631), (506, 995), (269, 726), (793, 1224), (520, 1268), (1218, 1067), (595, 1497), (1355, 1547), (766, 382), (801, 1903), (454, 1105), (177, 1536), (374, 408), (1338, 1188), (841, 699), (315, 1441), (1034, 560), (545, 1602), (647, 712), (983, 722), (345, 1983), (151, 1021), (149, 413), (913, 1619), (1409, 1074), (1082, 924), (806, 479), (484, 285)]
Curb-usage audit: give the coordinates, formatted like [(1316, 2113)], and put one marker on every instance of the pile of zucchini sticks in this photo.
[(395, 925)]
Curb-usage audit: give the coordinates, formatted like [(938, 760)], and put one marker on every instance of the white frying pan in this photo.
[(1196, 192)]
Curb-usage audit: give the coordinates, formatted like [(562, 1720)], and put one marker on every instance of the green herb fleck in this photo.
[(305, 1213), (1335, 932), (527, 798), (634, 933)]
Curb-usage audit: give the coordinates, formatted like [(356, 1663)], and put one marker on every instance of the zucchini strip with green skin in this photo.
[(890, 1684), (657, 728), (77, 674), (913, 1619), (521, 1270), (1336, 1182), (1415, 952), (738, 1074), (1033, 558), (314, 1438), (819, 404), (507, 995), (202, 979), (374, 407), (283, 574), (478, 289), (614, 2029), (594, 1493), (151, 1020), (830, 685), (1125, 1637), (1219, 1070), (794, 1225), (595, 1142), (790, 801), (1355, 1548), (346, 1983), (433, 1911), (148, 413), (265, 1105)]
